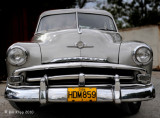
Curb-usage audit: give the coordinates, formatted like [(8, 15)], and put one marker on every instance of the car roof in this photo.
[(61, 11)]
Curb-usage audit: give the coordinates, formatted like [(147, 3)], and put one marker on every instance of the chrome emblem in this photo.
[(80, 45)]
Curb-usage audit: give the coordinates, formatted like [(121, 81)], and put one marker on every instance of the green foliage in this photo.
[(134, 12)]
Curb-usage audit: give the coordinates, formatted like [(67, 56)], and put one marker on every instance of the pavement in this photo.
[(149, 109)]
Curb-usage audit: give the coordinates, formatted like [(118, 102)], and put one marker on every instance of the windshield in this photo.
[(68, 21), (57, 22), (93, 21)]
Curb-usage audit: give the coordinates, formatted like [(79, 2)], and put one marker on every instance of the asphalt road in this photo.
[(149, 109)]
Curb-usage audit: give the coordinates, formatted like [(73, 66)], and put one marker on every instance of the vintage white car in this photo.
[(78, 55)]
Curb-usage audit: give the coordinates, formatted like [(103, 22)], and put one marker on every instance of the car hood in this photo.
[(71, 45)]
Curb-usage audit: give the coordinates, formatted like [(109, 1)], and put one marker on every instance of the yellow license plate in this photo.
[(82, 94)]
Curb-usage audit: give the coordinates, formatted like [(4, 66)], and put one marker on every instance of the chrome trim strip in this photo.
[(23, 86), (78, 28), (77, 65), (61, 77), (56, 86), (79, 59), (76, 76), (63, 86), (79, 45)]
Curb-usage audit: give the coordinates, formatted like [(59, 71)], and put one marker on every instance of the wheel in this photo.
[(131, 108), (25, 105)]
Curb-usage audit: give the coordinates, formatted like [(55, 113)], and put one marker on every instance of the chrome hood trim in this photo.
[(79, 59)]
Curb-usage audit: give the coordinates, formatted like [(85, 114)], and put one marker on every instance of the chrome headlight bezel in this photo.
[(25, 52), (135, 55)]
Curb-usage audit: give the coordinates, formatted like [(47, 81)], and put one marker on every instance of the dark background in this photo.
[(18, 22)]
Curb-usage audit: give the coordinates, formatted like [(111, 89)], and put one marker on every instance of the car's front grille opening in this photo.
[(69, 71), (77, 71)]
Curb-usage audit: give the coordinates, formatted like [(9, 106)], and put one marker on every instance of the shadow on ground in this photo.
[(78, 110)]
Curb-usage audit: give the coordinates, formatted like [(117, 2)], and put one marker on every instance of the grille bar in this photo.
[(76, 76), (78, 65)]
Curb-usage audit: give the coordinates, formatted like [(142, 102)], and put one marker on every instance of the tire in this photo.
[(131, 108), (25, 105)]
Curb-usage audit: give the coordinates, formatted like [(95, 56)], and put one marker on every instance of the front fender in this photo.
[(34, 56), (126, 55)]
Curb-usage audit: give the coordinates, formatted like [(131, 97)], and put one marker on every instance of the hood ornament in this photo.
[(80, 45)]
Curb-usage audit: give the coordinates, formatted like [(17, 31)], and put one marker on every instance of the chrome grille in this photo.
[(70, 76), (85, 70)]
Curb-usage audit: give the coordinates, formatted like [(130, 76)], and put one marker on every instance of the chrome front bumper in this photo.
[(128, 93), (44, 93)]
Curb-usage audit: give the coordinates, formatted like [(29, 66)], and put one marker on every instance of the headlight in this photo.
[(17, 55), (142, 55)]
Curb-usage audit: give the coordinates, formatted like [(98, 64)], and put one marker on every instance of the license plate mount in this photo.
[(82, 94)]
